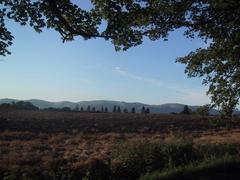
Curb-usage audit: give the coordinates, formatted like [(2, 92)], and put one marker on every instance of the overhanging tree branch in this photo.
[(72, 31)]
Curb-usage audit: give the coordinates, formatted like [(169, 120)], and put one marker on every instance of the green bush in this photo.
[(97, 170), (133, 159), (178, 154), (226, 167), (204, 151), (94, 169), (59, 170), (22, 173), (130, 160)]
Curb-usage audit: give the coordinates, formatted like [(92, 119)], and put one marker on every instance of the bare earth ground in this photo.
[(38, 137)]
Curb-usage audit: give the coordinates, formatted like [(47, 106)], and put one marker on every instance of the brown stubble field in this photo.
[(40, 137)]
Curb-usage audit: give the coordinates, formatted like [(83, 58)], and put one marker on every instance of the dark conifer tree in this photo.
[(125, 110), (106, 110), (114, 108), (119, 109), (147, 111), (186, 110), (82, 109), (88, 109), (133, 110)]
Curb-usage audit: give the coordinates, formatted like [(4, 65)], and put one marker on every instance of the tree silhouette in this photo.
[(21, 105), (118, 109), (82, 109), (88, 109), (66, 109), (143, 110), (24, 105), (186, 110), (106, 110), (147, 111), (203, 110), (5, 106), (133, 110), (114, 108), (76, 108)]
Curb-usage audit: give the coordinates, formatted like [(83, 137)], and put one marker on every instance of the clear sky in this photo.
[(42, 67)]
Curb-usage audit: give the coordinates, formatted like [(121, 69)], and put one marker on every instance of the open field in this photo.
[(41, 138)]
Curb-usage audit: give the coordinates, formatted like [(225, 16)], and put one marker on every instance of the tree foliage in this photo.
[(203, 110), (20, 105), (126, 22), (133, 110), (186, 110)]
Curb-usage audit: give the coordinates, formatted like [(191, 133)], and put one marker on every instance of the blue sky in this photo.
[(43, 67)]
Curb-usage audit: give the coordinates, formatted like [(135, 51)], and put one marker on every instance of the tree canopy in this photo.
[(186, 110), (20, 105), (126, 22)]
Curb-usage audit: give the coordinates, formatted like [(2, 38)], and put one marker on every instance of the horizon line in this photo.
[(96, 100)]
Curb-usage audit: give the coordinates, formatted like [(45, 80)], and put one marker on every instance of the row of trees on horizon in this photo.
[(23, 105), (93, 109)]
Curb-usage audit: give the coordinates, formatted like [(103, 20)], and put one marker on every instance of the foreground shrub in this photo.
[(133, 159), (22, 172), (216, 150), (177, 154), (97, 170), (227, 167), (93, 169)]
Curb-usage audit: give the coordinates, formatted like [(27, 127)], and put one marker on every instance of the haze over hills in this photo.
[(98, 104)]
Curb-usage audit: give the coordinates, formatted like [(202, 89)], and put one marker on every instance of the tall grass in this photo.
[(148, 160), (131, 160), (221, 168)]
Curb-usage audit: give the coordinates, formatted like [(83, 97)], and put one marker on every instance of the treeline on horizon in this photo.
[(24, 105), (93, 109)]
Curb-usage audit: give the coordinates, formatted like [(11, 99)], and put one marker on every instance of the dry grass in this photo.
[(37, 138)]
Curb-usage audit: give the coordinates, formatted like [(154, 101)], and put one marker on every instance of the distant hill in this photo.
[(98, 104)]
